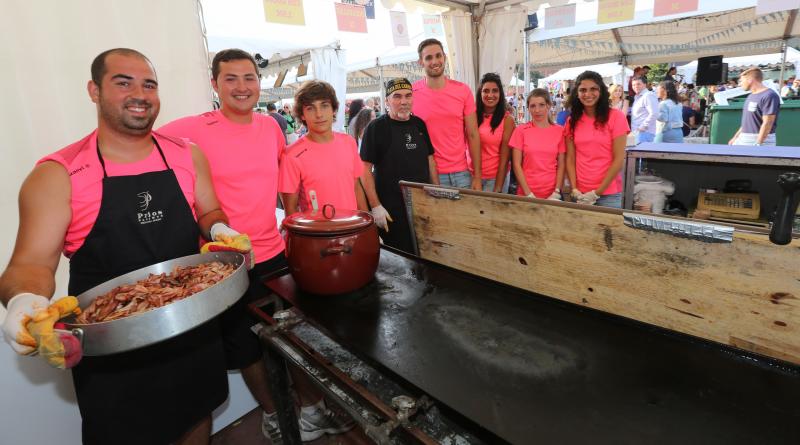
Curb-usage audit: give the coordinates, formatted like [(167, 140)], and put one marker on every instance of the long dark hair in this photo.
[(502, 105), (355, 106), (602, 108), (672, 92), (360, 121)]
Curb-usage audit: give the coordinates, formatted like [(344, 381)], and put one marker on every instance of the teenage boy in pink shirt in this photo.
[(243, 149), (448, 109), (323, 167)]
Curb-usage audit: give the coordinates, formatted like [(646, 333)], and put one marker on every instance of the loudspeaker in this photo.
[(710, 71)]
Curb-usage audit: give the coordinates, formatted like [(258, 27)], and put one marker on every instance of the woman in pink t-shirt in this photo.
[(538, 155), (595, 138), (495, 126)]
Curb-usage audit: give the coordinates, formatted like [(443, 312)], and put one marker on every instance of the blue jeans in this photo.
[(613, 200), (644, 137), (458, 179), (488, 184), (674, 135)]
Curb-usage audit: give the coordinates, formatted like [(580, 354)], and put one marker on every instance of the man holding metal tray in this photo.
[(120, 199)]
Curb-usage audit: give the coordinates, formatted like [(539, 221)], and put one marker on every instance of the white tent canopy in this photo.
[(606, 70), (730, 28), (792, 56)]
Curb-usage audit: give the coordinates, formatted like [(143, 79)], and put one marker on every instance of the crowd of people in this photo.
[(218, 176)]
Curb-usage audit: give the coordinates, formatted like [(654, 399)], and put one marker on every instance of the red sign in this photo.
[(351, 18), (669, 7)]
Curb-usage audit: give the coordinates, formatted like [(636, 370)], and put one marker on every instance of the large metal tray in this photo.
[(160, 324)]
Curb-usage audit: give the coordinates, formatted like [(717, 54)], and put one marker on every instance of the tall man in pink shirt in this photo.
[(243, 149), (448, 109)]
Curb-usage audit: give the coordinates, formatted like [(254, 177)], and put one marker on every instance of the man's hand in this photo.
[(382, 217), (588, 198), (477, 184), (226, 239), (732, 141), (555, 196)]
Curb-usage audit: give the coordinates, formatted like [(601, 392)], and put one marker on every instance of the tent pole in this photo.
[(382, 86), (526, 76), (622, 74), (784, 47)]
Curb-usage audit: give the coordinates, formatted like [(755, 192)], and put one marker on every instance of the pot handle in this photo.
[(336, 250), (325, 208)]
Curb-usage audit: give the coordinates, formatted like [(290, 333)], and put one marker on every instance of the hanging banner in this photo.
[(767, 6), (432, 26), (350, 18), (611, 11), (287, 12), (399, 28), (669, 7), (369, 6), (559, 16)]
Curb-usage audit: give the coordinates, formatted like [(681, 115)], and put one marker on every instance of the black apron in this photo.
[(405, 159), (155, 394)]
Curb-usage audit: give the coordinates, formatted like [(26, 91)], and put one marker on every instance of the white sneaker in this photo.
[(327, 422), (271, 429)]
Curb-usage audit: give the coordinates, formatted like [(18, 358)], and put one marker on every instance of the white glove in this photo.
[(222, 229), (531, 195), (588, 198), (20, 310), (381, 217), (555, 196)]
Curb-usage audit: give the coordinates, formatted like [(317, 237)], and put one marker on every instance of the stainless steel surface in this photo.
[(160, 324), (684, 228)]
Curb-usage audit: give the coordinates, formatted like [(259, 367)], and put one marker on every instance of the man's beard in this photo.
[(124, 123)]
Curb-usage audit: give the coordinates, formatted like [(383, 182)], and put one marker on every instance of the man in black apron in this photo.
[(159, 394), (398, 146)]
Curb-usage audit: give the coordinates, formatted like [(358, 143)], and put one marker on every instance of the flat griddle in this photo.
[(535, 370)]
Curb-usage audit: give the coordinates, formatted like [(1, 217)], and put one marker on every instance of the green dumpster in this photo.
[(725, 120)]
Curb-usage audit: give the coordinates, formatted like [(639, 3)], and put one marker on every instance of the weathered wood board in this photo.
[(744, 293)]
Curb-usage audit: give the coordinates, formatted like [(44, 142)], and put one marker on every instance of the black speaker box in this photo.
[(710, 71)]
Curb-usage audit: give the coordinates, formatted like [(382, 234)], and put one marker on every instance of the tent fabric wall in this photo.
[(499, 49), (329, 66), (458, 29)]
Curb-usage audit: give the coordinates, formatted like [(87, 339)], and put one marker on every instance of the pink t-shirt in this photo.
[(594, 150), (329, 169), (490, 147), (443, 112), (244, 167), (540, 148), (86, 178)]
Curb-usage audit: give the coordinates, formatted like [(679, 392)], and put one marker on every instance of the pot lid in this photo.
[(328, 220)]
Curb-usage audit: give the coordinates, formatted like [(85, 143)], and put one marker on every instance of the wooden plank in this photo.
[(745, 293)]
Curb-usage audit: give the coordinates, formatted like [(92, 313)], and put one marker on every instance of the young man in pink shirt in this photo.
[(448, 109), (323, 167), (243, 149)]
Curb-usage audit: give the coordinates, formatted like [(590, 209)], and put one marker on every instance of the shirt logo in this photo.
[(145, 215), (145, 200), (409, 145), (752, 106)]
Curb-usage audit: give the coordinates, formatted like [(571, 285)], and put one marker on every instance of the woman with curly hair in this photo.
[(595, 138)]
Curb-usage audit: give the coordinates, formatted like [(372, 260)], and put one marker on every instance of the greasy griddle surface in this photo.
[(533, 370)]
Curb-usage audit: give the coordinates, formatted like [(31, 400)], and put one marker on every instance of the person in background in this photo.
[(561, 117), (359, 123), (645, 72), (495, 125), (272, 111), (688, 115), (671, 72), (291, 124), (788, 88), (352, 111), (448, 109), (122, 198), (538, 151), (637, 72), (670, 115), (759, 113), (644, 111), (324, 166), (618, 99), (595, 138), (398, 148)]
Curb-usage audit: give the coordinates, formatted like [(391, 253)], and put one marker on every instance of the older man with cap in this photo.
[(399, 147)]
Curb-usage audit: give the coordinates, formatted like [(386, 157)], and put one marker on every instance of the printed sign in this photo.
[(432, 24), (767, 6), (350, 18), (559, 16), (669, 7), (399, 28), (611, 11), (369, 6), (287, 12)]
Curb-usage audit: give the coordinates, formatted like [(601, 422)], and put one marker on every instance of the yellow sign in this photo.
[(287, 12), (610, 11)]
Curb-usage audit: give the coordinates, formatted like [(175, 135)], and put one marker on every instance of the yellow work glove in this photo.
[(60, 349), (226, 239)]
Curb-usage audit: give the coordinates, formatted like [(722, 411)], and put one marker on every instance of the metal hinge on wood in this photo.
[(439, 192)]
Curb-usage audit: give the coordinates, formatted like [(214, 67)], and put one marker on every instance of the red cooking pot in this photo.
[(331, 251)]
